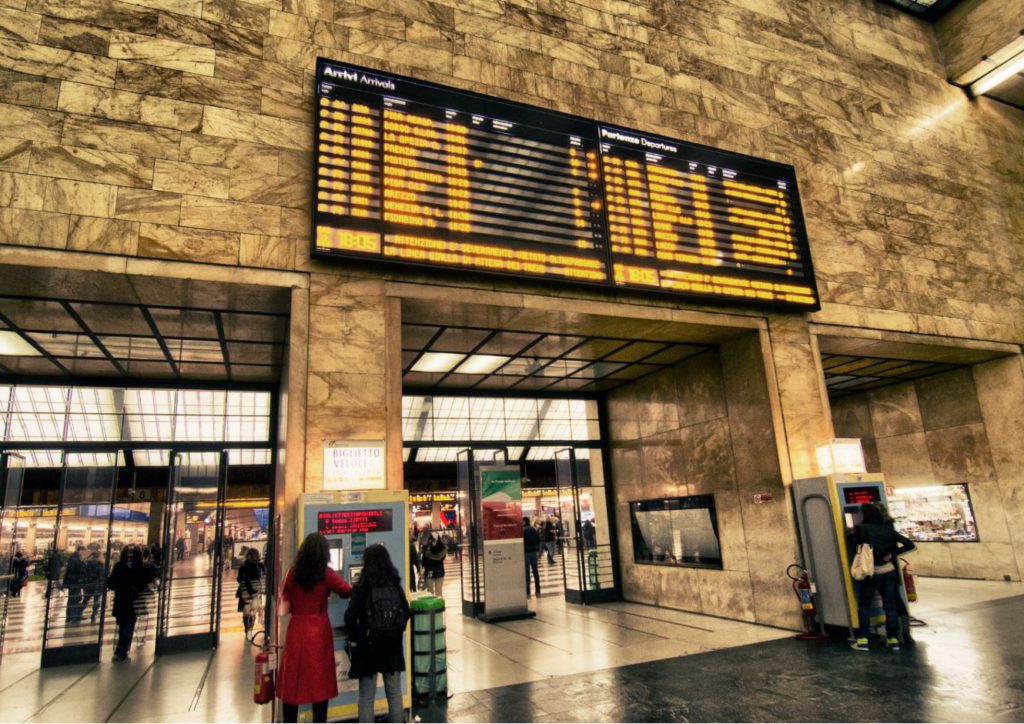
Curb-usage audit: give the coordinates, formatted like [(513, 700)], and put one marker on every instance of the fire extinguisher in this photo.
[(908, 583), (804, 590), (265, 667)]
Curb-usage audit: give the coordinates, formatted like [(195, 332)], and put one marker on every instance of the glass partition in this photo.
[(76, 560)]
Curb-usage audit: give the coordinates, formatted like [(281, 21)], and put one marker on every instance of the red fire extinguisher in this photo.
[(805, 594), (908, 583), (265, 667)]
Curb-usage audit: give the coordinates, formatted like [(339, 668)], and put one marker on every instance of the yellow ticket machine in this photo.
[(351, 521), (827, 509)]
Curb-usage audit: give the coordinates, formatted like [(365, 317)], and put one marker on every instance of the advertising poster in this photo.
[(501, 496)]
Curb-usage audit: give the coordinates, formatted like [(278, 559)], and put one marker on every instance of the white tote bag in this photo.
[(863, 563)]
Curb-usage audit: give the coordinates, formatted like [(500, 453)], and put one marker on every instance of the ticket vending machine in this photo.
[(827, 509), (351, 521)]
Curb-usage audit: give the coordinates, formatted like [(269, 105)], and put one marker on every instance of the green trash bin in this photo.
[(429, 651)]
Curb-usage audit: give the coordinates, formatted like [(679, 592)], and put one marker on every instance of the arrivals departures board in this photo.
[(421, 174)]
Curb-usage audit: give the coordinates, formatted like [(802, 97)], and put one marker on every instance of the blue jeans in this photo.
[(531, 565), (887, 585), (393, 691)]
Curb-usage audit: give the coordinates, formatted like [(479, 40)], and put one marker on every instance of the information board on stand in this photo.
[(416, 173)]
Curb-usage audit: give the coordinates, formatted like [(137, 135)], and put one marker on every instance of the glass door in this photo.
[(12, 573), (568, 502), (470, 552), (75, 561), (189, 612)]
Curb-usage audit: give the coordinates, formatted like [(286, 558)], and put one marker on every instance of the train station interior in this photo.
[(680, 287)]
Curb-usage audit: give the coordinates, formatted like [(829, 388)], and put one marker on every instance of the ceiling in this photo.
[(482, 348), (854, 365), (84, 325)]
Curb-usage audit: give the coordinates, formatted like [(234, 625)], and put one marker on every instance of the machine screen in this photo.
[(865, 494), (342, 522)]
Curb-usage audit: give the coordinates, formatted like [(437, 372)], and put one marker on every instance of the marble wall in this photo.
[(706, 426), (952, 428)]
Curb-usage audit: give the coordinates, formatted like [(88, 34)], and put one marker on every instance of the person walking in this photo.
[(375, 623), (548, 539), (886, 546), (73, 583), (127, 580), (250, 574), (307, 674), (19, 572), (433, 564), (531, 548), (93, 587)]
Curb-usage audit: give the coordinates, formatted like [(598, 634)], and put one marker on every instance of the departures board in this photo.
[(420, 174)]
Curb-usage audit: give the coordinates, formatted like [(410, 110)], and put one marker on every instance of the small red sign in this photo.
[(763, 498)]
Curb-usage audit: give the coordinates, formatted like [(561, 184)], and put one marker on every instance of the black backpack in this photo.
[(384, 610)]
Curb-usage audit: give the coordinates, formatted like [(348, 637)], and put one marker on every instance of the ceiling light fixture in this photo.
[(998, 75), (481, 364), (13, 344), (437, 362)]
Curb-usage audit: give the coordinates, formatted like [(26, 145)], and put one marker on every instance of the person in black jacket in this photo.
[(531, 549), (19, 572), (93, 587), (250, 573), (433, 564), (375, 624), (73, 583), (886, 545), (127, 580)]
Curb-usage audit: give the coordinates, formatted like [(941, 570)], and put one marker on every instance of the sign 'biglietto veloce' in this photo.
[(417, 173)]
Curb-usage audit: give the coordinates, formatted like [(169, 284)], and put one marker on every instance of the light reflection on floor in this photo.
[(562, 640)]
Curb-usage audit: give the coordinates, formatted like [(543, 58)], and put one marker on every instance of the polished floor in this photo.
[(613, 662)]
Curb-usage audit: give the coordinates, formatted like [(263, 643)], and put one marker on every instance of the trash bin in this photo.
[(429, 652)]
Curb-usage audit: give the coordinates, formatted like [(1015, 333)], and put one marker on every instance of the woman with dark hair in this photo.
[(128, 579), (307, 674), (886, 545), (250, 574), (375, 623)]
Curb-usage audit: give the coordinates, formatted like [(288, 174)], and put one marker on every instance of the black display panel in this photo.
[(417, 173), (676, 531)]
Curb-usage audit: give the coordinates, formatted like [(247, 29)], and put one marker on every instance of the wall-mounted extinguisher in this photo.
[(908, 582), (265, 668)]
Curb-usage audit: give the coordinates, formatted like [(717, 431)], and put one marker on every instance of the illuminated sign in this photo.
[(416, 173), (866, 494), (354, 465), (341, 522)]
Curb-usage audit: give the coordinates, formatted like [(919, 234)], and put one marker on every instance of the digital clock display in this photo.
[(416, 173)]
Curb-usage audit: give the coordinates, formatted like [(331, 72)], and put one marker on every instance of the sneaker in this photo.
[(860, 645), (893, 645), (120, 657)]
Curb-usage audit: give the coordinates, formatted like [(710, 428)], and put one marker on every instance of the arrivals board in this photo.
[(420, 174)]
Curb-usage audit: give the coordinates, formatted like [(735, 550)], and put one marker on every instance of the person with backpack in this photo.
[(375, 624), (307, 674), (128, 579), (250, 576), (886, 546)]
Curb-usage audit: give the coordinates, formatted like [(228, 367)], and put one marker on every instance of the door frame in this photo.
[(169, 644)]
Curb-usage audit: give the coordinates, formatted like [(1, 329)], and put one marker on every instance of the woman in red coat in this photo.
[(307, 674)]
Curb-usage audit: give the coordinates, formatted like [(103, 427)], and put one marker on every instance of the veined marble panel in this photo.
[(894, 411), (948, 400), (905, 459), (961, 453)]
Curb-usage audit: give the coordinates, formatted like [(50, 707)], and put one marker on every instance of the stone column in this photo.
[(803, 400), (1000, 386)]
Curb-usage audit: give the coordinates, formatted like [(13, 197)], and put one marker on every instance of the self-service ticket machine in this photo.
[(351, 521), (827, 509)]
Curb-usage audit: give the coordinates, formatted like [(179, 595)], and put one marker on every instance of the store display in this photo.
[(938, 513)]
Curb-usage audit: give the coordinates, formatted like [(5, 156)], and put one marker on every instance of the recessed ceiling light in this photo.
[(437, 362), (481, 364), (13, 344)]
